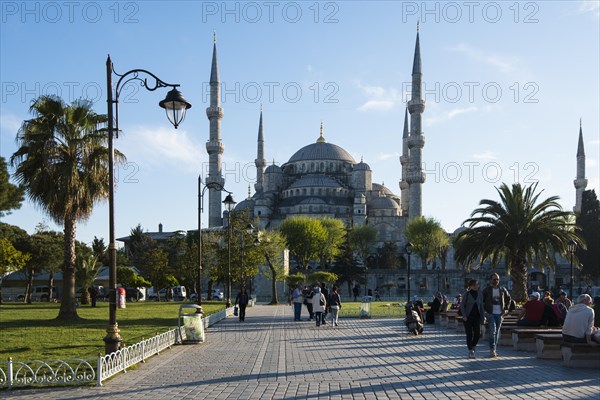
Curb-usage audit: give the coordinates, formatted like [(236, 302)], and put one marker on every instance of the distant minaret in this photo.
[(580, 182), (416, 140), (404, 164), (260, 161), (214, 146)]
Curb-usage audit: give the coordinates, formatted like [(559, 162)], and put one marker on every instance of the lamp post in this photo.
[(201, 190), (408, 248), (572, 247), (175, 106), (229, 203)]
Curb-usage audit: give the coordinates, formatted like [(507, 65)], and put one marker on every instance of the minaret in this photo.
[(214, 146), (404, 165), (580, 182), (260, 161), (416, 140)]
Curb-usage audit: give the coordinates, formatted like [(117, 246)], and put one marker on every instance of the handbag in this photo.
[(235, 311)]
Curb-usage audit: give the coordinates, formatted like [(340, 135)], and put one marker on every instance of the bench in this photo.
[(580, 355), (444, 319), (525, 339), (548, 346), (453, 321)]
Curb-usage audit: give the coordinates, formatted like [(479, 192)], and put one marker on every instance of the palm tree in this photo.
[(62, 163), (519, 229)]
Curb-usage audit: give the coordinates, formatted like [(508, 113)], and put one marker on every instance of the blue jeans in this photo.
[(297, 311), (494, 324)]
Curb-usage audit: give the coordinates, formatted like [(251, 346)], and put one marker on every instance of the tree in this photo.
[(521, 229), (140, 243), (11, 196), (272, 245), (322, 276), (62, 163), (99, 250), (305, 238), (589, 222), (388, 256), (11, 260), (128, 278), (86, 275), (335, 238), (346, 268), (362, 240), (427, 238), (156, 263)]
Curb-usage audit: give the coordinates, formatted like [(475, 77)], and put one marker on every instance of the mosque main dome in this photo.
[(321, 150)]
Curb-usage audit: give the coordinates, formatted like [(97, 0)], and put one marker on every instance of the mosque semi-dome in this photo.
[(383, 203)]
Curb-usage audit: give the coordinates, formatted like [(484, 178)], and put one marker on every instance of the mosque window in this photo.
[(259, 212), (312, 191), (304, 192), (322, 167)]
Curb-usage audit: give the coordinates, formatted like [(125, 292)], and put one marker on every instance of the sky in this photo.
[(506, 85)]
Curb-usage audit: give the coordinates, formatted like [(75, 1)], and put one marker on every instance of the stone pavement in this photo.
[(271, 357)]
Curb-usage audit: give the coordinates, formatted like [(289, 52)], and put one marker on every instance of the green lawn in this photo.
[(29, 332), (379, 309)]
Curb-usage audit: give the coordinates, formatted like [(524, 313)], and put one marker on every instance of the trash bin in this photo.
[(365, 307), (192, 324)]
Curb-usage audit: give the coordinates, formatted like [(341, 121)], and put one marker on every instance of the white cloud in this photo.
[(458, 111), (379, 98), (376, 105), (387, 156), (501, 63), (160, 146), (10, 124), (486, 155), (593, 7), (447, 115)]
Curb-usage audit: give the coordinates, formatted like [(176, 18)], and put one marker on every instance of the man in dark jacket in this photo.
[(242, 300)]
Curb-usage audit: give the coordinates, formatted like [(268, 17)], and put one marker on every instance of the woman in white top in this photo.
[(318, 302)]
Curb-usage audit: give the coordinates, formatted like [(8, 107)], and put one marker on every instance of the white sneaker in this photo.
[(493, 353), (471, 353)]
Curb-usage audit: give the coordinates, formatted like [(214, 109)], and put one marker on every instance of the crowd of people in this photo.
[(319, 302), (580, 322)]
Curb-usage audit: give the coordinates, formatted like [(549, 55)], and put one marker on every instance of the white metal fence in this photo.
[(81, 372)]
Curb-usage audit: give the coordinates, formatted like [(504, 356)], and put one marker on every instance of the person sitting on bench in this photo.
[(579, 323), (533, 311)]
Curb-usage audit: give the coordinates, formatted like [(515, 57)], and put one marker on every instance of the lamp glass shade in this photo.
[(175, 106), (229, 201), (408, 248)]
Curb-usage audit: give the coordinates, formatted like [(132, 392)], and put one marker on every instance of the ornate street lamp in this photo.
[(201, 190), (229, 203), (176, 106), (408, 249), (572, 247)]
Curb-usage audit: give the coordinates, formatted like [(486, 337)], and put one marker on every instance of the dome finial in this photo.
[(321, 139), (214, 36), (417, 26), (249, 196), (361, 158)]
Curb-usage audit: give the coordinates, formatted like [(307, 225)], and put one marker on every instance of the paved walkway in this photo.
[(270, 356)]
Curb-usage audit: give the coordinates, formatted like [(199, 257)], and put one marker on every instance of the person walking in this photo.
[(298, 300), (318, 305), (335, 303), (325, 292), (496, 300), (471, 308), (242, 299), (308, 294)]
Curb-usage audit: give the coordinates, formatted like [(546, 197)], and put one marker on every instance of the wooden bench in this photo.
[(548, 346), (580, 355), (453, 321), (524, 339), (443, 319)]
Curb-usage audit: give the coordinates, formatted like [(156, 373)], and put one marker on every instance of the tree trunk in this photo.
[(273, 283), (518, 275), (68, 310), (29, 288), (50, 285)]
